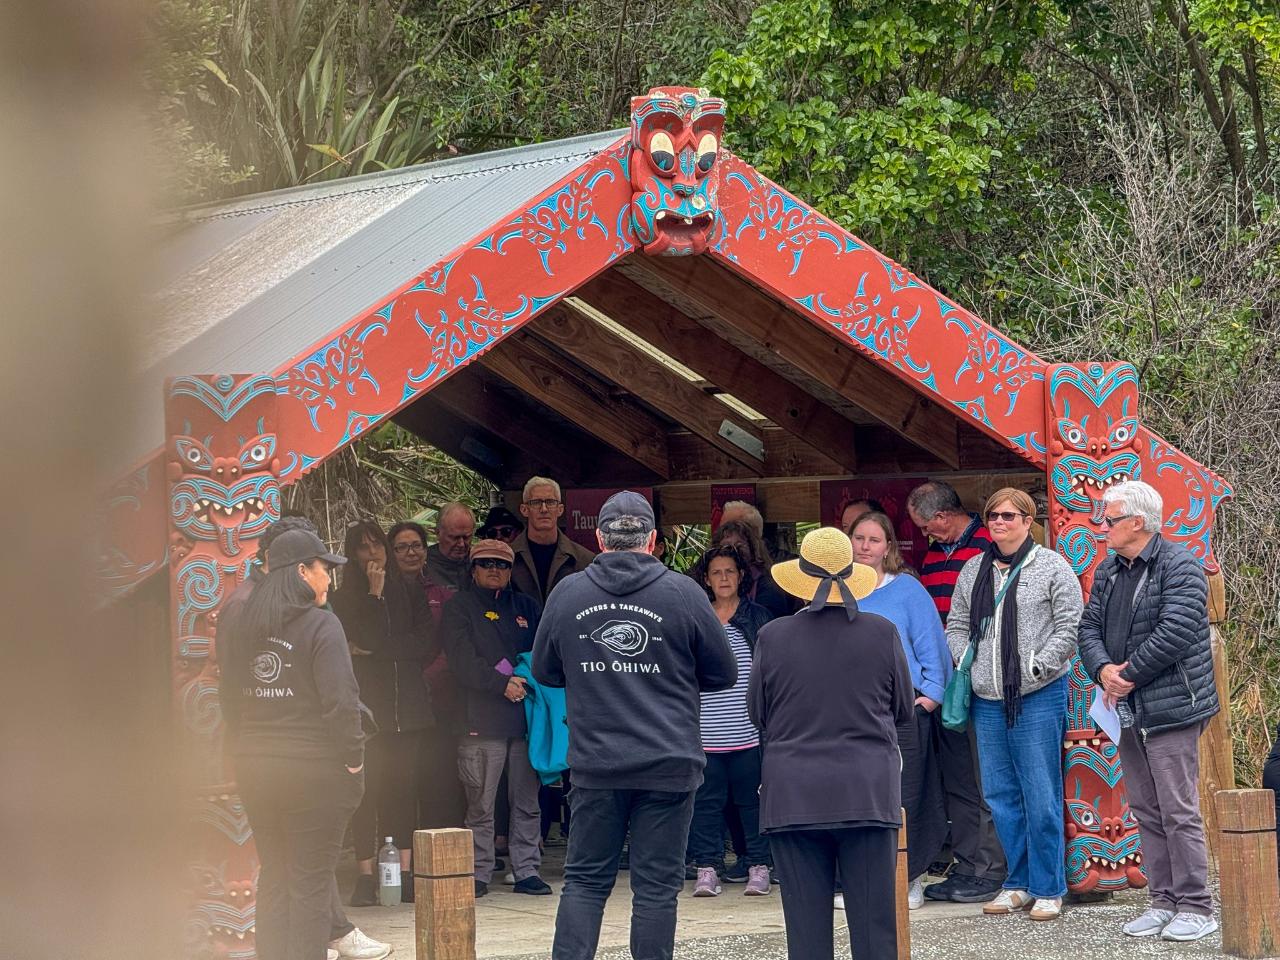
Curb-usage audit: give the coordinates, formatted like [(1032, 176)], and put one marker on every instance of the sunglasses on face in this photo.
[(491, 563), (1008, 516), (403, 548), (1110, 522), (490, 533)]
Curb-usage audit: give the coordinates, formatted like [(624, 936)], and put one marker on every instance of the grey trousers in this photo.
[(974, 843), (1162, 778), (480, 764)]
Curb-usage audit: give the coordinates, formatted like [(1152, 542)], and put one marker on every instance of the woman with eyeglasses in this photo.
[(1019, 605), (485, 629), (388, 627)]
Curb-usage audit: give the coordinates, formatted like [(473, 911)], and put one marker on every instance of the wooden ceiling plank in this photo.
[(539, 372), (721, 297), (574, 332), (683, 339)]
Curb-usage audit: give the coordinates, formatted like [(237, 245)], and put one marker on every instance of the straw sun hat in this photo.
[(825, 554)]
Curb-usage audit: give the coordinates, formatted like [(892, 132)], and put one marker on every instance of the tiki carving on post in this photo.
[(675, 143), (1092, 426), (223, 493)]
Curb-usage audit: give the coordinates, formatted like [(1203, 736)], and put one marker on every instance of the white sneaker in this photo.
[(357, 945), (509, 879), (915, 894), (331, 954), (1149, 924), (839, 901), (1185, 927), (1046, 908), (1006, 902)]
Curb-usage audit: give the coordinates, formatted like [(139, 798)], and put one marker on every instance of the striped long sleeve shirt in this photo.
[(943, 562)]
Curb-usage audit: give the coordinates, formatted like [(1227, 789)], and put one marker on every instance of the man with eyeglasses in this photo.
[(544, 555), (1144, 638), (485, 629), (955, 536)]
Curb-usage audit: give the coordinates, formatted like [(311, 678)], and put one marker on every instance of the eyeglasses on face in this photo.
[(1008, 516), (545, 504), (1110, 522), (491, 563), (403, 548)]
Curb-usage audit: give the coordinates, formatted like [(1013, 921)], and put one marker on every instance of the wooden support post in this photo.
[(1247, 872), (901, 883), (444, 894), (1217, 759)]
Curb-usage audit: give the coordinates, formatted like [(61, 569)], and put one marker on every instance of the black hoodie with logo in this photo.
[(633, 644)]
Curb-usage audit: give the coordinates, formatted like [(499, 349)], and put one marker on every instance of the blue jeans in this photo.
[(1022, 784)]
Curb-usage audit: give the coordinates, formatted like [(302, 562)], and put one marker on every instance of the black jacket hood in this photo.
[(624, 572)]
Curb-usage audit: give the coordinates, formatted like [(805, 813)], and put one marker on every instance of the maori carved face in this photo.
[(225, 485), (675, 141), (1102, 835)]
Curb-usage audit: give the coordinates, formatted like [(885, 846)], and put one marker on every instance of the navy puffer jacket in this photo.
[(1168, 649)]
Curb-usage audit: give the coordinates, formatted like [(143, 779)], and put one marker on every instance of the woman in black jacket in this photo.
[(292, 711), (389, 629), (731, 743), (829, 687)]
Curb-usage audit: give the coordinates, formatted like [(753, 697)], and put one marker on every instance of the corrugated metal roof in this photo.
[(249, 283)]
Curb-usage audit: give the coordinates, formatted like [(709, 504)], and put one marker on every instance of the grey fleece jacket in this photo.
[(1049, 608)]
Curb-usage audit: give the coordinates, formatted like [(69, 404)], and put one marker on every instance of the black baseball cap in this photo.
[(299, 546), (625, 503), (500, 517)]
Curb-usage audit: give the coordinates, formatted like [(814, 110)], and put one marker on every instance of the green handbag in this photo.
[(958, 696)]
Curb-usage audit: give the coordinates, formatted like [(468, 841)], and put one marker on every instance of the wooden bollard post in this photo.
[(901, 883), (1247, 873), (444, 894)]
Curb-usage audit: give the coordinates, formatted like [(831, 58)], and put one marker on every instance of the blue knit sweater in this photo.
[(907, 604)]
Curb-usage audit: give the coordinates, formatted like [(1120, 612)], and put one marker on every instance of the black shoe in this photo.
[(624, 861), (406, 887), (499, 864), (736, 873), (482, 889), (535, 886), (690, 872), (366, 892), (974, 890)]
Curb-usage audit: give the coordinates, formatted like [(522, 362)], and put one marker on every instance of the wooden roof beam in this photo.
[(683, 339), (721, 298), (542, 374), (573, 331)]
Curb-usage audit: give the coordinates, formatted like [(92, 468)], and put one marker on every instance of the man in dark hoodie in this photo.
[(633, 644)]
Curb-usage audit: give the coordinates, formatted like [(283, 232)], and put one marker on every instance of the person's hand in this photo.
[(377, 578), (1112, 683), (929, 705), (354, 770), (515, 689)]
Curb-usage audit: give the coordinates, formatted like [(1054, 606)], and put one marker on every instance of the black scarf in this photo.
[(982, 606), (826, 580)]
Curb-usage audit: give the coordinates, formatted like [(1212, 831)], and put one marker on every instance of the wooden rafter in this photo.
[(540, 372), (573, 331), (720, 299), (682, 338)]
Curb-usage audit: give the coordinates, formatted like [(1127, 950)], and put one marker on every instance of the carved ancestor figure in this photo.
[(675, 142), (223, 493)]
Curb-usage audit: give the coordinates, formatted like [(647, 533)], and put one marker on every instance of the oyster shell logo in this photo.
[(622, 636), (267, 667)]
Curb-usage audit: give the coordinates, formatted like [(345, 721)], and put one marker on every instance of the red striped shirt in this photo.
[(943, 562)]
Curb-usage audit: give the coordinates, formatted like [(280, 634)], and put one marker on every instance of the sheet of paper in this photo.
[(1105, 717)]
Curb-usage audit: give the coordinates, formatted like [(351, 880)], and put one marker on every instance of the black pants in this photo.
[(441, 800), (1271, 780), (807, 861), (730, 779), (659, 824), (389, 807), (298, 810), (922, 795), (974, 843), (339, 925)]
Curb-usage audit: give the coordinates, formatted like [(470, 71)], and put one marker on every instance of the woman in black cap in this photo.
[(829, 687), (292, 710)]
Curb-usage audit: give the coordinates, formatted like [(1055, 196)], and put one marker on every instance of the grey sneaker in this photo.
[(757, 882), (357, 945), (1150, 924), (707, 884), (915, 894), (1185, 927)]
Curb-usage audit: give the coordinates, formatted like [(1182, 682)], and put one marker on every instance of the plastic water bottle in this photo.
[(388, 874)]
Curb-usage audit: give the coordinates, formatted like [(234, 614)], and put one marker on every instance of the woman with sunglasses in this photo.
[(389, 629), (485, 629), (1019, 604)]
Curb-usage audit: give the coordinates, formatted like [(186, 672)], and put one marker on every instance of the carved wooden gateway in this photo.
[(856, 365)]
